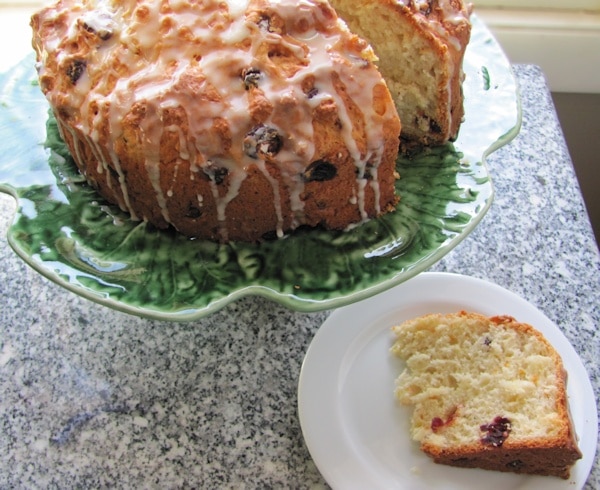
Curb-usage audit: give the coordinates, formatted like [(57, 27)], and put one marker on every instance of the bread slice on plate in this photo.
[(487, 393)]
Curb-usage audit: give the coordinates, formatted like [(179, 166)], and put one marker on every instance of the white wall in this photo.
[(565, 44)]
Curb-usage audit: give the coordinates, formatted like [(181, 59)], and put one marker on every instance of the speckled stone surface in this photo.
[(92, 398)]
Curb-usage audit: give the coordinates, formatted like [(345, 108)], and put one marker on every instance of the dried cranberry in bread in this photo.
[(420, 45), (487, 393), (228, 120)]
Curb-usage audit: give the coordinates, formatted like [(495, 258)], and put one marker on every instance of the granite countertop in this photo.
[(94, 398)]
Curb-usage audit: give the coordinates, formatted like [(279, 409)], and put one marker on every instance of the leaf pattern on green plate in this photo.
[(64, 230)]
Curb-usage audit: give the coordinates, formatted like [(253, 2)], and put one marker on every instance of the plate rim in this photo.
[(330, 330)]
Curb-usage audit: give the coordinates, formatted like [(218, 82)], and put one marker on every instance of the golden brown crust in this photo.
[(554, 458)]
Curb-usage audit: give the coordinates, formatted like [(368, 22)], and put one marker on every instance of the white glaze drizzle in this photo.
[(157, 49)]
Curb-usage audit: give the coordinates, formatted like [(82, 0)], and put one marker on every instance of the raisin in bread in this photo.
[(227, 120), (420, 45), (487, 393)]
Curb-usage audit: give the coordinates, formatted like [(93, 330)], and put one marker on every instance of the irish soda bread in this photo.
[(487, 393), (226, 119), (420, 45)]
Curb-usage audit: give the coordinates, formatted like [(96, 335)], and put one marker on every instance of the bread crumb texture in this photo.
[(485, 389)]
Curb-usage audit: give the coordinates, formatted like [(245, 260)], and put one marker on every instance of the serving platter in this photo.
[(66, 232)]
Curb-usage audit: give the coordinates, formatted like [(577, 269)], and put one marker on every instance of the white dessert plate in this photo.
[(356, 432)]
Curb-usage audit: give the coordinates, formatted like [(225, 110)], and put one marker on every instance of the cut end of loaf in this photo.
[(420, 47)]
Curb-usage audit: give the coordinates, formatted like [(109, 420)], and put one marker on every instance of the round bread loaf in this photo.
[(228, 120)]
